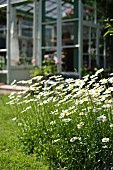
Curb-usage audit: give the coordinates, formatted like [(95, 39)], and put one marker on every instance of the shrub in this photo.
[(49, 66), (67, 121)]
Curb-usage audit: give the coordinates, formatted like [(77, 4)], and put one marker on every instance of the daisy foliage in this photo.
[(67, 121)]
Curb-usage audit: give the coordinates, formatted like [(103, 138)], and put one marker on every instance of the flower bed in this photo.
[(69, 122)]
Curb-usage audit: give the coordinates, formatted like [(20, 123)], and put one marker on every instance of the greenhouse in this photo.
[(68, 30)]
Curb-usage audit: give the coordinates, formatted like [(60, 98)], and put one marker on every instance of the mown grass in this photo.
[(11, 155)]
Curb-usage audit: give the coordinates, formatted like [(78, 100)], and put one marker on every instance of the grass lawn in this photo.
[(11, 156)]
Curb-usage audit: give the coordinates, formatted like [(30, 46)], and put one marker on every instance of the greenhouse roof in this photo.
[(51, 6)]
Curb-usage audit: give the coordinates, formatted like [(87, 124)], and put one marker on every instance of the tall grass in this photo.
[(69, 122)]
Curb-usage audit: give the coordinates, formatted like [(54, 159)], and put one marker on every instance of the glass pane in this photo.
[(93, 47), (50, 35), (88, 12), (89, 46), (67, 59), (67, 9), (50, 10), (67, 51), (86, 42), (25, 50), (2, 53), (67, 33), (27, 29)]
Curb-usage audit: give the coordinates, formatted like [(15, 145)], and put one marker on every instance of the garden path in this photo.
[(4, 88)]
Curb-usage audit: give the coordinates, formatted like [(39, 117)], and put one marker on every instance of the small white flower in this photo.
[(82, 113), (104, 147), (99, 71), (106, 106), (52, 122), (37, 78), (19, 124), (101, 118), (64, 113), (66, 120), (22, 82), (75, 138), (80, 125), (93, 76), (13, 82), (94, 110), (14, 119), (86, 78), (54, 141), (110, 101), (111, 125), (69, 80), (103, 81), (79, 83), (105, 139), (109, 90), (27, 108), (111, 80)]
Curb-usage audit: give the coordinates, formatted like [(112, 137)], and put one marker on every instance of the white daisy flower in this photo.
[(101, 118), (74, 138), (111, 125), (80, 125), (111, 79), (66, 120), (64, 113), (27, 108), (105, 139), (99, 71), (103, 81), (104, 147), (54, 141), (13, 82), (14, 119), (52, 122), (19, 124), (79, 83)]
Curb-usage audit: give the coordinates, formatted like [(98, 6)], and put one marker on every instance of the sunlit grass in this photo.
[(11, 155)]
